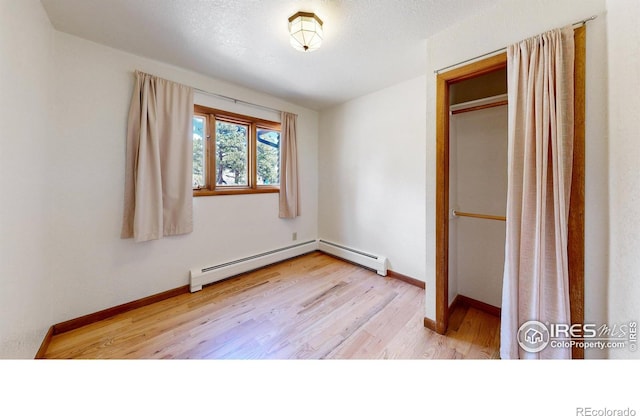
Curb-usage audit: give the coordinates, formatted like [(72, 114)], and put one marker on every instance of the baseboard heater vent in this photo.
[(370, 261), (211, 274)]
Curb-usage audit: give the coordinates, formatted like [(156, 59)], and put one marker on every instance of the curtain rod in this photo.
[(575, 25), (236, 101), (225, 97)]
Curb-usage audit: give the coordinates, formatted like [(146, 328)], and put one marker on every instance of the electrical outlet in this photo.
[(294, 236)]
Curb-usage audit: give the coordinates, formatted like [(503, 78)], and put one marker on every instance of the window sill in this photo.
[(236, 191)]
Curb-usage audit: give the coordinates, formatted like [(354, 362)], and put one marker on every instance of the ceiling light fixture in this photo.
[(306, 31)]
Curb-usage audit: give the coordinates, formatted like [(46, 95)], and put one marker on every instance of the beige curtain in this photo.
[(158, 191), (289, 195), (535, 287)]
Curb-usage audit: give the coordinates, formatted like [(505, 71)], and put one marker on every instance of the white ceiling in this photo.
[(368, 44)]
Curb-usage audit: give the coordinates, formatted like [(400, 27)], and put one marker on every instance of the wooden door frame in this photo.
[(576, 208)]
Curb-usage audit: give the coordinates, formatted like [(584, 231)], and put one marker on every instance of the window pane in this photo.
[(268, 157), (231, 154), (199, 129)]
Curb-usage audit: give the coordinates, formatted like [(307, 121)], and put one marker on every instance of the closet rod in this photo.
[(485, 55), (473, 215)]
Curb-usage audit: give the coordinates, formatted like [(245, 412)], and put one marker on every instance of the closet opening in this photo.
[(449, 94), (478, 137)]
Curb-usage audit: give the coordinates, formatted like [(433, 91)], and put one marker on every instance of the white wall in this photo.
[(506, 23), (25, 284), (372, 185), (624, 153), (478, 178), (91, 266), (64, 109)]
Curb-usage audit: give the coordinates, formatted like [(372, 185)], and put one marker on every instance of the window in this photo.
[(234, 154)]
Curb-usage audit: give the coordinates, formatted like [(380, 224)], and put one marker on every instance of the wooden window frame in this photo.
[(253, 124)]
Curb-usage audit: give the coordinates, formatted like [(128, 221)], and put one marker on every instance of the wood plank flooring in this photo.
[(310, 307)]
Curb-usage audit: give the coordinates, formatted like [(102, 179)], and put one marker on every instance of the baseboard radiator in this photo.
[(211, 274), (370, 261)]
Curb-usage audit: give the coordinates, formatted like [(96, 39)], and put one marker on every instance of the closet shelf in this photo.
[(481, 104)]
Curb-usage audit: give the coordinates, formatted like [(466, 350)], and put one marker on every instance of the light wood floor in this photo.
[(310, 307)]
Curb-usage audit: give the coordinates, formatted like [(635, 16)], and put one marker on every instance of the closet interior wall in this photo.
[(477, 184)]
